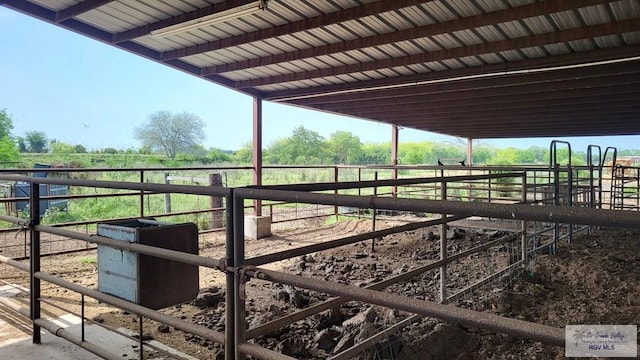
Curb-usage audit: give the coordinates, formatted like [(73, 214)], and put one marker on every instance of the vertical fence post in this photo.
[(34, 257), (167, 196), (359, 189), (556, 202), (523, 247), (229, 328), (375, 193), (570, 198), (443, 247), (141, 194), (239, 294), (335, 181), (215, 202)]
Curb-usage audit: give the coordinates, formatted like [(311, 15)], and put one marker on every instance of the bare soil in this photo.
[(594, 280)]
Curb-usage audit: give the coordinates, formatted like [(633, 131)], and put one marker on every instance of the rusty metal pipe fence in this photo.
[(238, 269)]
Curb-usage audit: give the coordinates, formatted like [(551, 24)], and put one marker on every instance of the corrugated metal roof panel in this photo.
[(427, 44), (468, 37), (452, 63), (566, 20), (533, 52), (632, 38), (513, 29), (464, 8), (557, 49), (447, 41), (581, 45), (436, 66), (471, 61), (55, 5), (594, 15), (491, 5), (539, 24), (415, 15), (607, 41), (512, 55), (490, 33), (438, 11), (625, 9), (491, 58)]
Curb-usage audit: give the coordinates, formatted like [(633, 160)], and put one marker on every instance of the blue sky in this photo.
[(80, 91)]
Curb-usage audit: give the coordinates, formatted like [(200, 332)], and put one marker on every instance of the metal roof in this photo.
[(470, 68)]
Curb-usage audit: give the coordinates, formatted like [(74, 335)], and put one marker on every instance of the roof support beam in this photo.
[(410, 80), (579, 33), (539, 107), (628, 83), (511, 102), (497, 17), (196, 14), (480, 83), (79, 8)]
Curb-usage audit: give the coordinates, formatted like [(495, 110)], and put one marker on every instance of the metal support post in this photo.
[(34, 256), (523, 245), (443, 248), (394, 158), (141, 194), (556, 202), (257, 151), (229, 328), (239, 294), (570, 199), (336, 179), (374, 211)]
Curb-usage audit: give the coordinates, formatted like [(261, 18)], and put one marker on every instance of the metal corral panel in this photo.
[(146, 280)]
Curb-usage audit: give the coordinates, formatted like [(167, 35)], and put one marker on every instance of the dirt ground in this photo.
[(594, 280)]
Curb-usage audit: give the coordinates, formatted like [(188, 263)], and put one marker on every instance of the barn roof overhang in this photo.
[(469, 68)]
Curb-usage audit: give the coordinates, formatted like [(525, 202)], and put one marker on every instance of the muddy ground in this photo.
[(594, 280)]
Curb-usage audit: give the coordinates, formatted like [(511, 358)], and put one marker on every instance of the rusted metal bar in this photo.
[(387, 182), (257, 150), (586, 216), (135, 247), (14, 220), (158, 188), (16, 264), (131, 170), (302, 314), (291, 253), (523, 329)]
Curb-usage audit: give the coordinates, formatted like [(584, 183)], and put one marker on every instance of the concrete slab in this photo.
[(15, 339)]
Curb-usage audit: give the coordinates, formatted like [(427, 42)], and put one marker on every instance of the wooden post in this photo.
[(167, 196), (216, 202)]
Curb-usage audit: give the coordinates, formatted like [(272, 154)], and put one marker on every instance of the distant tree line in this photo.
[(179, 137)]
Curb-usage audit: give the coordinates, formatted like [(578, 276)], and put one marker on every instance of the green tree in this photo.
[(345, 148), (245, 154), (22, 145), (59, 147), (216, 155), (307, 146), (279, 152), (37, 141), (6, 124), (79, 149), (171, 133), (376, 154), (8, 149)]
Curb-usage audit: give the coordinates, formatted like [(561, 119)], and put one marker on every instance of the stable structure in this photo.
[(468, 68)]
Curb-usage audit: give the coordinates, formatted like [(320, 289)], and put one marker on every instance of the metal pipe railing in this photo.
[(523, 329)]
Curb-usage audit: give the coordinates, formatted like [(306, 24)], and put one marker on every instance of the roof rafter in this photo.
[(538, 63), (493, 18), (586, 32), (293, 27), (79, 8), (596, 71), (202, 12)]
